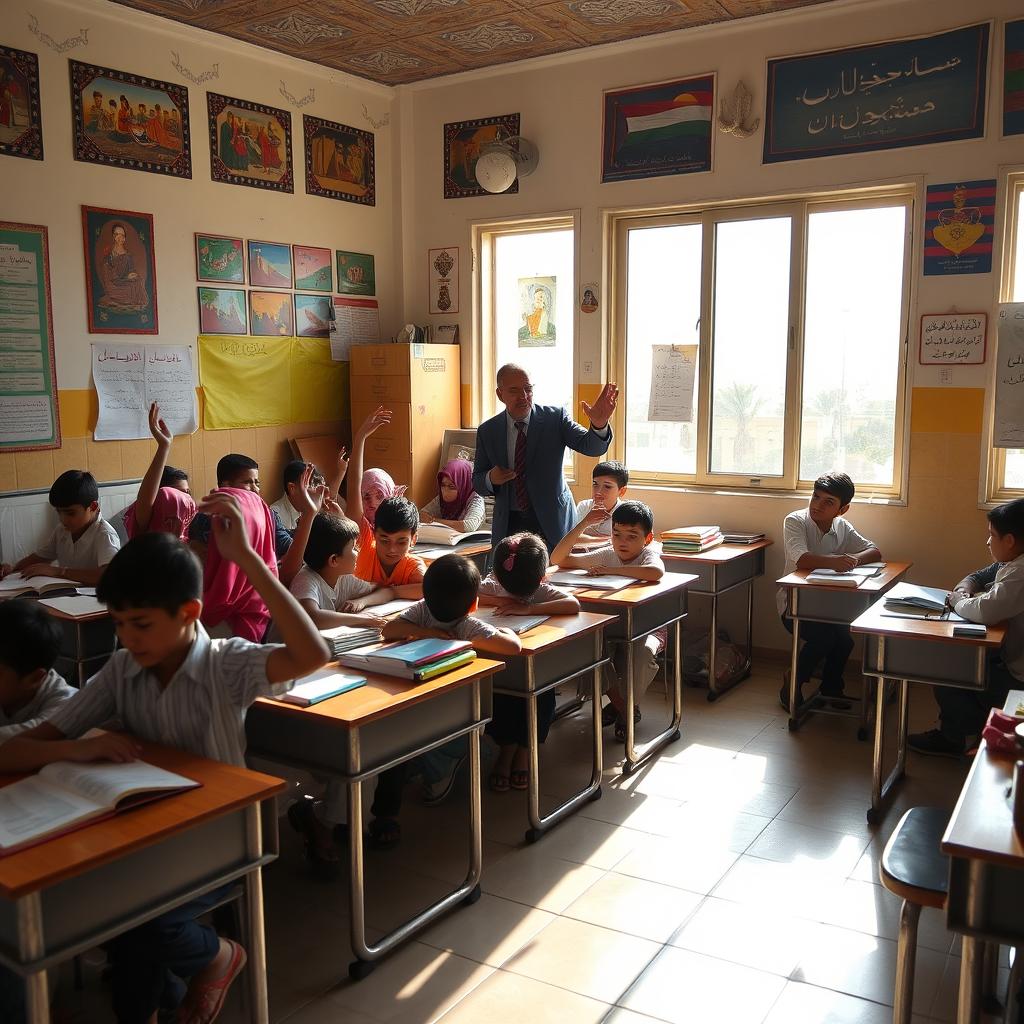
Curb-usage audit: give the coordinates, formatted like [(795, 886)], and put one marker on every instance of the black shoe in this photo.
[(836, 699), (936, 743), (784, 696)]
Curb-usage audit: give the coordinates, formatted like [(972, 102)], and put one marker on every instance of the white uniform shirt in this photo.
[(309, 585), (545, 591), (286, 513), (96, 547), (602, 529), (467, 628), (52, 693), (1002, 602)]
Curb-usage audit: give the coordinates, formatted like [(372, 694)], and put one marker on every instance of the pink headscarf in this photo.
[(173, 510), (228, 596), (460, 472), (379, 480)]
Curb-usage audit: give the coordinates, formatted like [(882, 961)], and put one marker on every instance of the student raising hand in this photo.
[(158, 428), (307, 501), (227, 525)]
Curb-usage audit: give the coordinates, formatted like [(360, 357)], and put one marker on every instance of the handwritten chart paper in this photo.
[(953, 339), (673, 368), (129, 378), (28, 387), (1008, 431), (356, 322)]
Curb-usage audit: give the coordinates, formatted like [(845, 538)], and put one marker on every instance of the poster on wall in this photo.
[(339, 161), (443, 275), (129, 121), (313, 315), (250, 144), (653, 130), (29, 416), (21, 125), (1013, 78), (270, 264), (908, 92), (222, 311), (312, 268), (463, 141), (673, 370), (271, 314), (1008, 421), (959, 221), (120, 271), (356, 273), (538, 297), (220, 259), (953, 339)]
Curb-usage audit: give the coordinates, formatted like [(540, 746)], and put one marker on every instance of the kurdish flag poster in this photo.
[(653, 130)]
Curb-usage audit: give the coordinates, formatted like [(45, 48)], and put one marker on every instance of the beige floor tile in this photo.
[(804, 844), (794, 890), (683, 987), (680, 862), (584, 958), (506, 998), (620, 1015), (717, 825), (806, 1004), (638, 811), (531, 877), (813, 804), (587, 841)]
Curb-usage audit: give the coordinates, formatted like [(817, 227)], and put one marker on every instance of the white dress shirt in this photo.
[(96, 547), (1002, 602)]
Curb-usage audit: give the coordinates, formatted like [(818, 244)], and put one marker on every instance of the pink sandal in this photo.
[(204, 1005)]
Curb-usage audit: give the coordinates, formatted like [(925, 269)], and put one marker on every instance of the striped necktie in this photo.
[(522, 498)]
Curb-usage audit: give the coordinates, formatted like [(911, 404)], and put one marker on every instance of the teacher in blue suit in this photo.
[(519, 456)]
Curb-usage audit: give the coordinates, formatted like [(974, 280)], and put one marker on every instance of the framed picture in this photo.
[(270, 315), (443, 279), (909, 92), (355, 273), (339, 161), (220, 258), (457, 443), (313, 315), (462, 143), (222, 311), (953, 339), (538, 309), (958, 227), (654, 130), (21, 122), (250, 144), (1013, 78), (120, 271), (270, 264), (126, 120), (312, 267)]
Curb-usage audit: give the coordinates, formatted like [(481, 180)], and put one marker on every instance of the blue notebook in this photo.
[(421, 652), (322, 685)]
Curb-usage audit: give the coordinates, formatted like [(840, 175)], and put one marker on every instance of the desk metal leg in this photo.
[(882, 789), (794, 688), (969, 998), (255, 940), (31, 947), (635, 756), (714, 690)]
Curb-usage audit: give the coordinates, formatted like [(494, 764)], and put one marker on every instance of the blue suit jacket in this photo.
[(551, 431)]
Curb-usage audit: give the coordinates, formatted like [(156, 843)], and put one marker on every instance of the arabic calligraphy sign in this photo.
[(909, 92), (1008, 428), (958, 224), (953, 339)]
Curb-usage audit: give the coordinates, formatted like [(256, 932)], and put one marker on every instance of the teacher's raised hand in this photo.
[(601, 411)]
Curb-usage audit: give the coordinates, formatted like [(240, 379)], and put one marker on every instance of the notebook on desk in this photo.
[(322, 685), (78, 607), (580, 578), (518, 624), (833, 578)]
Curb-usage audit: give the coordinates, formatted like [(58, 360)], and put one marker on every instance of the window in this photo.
[(798, 311)]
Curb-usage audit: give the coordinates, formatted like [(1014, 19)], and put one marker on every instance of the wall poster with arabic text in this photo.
[(959, 222)]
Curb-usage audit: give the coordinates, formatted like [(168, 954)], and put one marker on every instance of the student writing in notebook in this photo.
[(170, 683)]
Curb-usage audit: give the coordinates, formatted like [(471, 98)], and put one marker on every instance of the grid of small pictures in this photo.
[(273, 289)]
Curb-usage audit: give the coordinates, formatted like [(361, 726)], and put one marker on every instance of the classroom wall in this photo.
[(51, 192), (940, 527)]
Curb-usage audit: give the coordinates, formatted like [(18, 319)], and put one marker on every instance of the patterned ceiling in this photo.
[(398, 41)]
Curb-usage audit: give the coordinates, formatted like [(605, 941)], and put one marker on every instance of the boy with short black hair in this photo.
[(395, 525), (819, 537), (284, 507), (609, 488), (170, 683), (991, 595), (82, 543)]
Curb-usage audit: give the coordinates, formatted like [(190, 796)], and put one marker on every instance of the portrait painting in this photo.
[(270, 264), (120, 271), (21, 126), (250, 144), (126, 120), (537, 297), (270, 315), (339, 161), (356, 273), (220, 258), (312, 267), (312, 316), (222, 311), (463, 141)]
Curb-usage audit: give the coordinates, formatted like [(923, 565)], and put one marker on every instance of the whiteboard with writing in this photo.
[(129, 378), (1008, 430), (673, 368), (953, 339)]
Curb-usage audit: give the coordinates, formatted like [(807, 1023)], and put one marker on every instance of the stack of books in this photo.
[(741, 537), (685, 540), (435, 533), (911, 599), (342, 639), (417, 660)]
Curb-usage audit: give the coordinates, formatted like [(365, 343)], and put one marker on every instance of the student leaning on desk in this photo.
[(171, 684), (989, 596)]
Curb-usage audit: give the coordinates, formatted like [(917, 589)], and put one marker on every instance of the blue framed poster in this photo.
[(910, 92), (1013, 78), (958, 228)]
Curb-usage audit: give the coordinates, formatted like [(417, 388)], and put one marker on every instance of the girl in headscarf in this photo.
[(457, 505)]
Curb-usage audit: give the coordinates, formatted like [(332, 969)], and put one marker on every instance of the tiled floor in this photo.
[(734, 880)]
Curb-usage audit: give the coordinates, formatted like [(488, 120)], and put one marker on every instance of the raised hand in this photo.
[(601, 411), (343, 459), (377, 419), (309, 498), (331, 507), (228, 525), (597, 514), (161, 434)]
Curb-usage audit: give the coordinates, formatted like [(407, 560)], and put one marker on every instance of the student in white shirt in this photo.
[(992, 595), (82, 543), (818, 537), (609, 488)]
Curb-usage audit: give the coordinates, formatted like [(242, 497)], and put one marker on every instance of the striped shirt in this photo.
[(201, 710)]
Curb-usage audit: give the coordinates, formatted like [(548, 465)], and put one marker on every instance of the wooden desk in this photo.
[(66, 896), (640, 609), (919, 651), (719, 571), (87, 644), (556, 652), (356, 736), (476, 553), (986, 872), (819, 602)]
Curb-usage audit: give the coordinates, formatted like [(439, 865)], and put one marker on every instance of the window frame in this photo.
[(799, 208)]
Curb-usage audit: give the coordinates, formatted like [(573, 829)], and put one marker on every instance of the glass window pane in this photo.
[(1014, 475), (751, 330), (853, 332), (662, 308)]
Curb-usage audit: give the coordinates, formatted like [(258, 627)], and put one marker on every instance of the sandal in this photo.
[(302, 818), (203, 1006), (519, 778), (498, 783), (620, 725), (384, 833)]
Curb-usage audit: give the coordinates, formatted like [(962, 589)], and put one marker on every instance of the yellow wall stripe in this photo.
[(947, 410)]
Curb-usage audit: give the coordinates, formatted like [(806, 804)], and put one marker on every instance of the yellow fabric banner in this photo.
[(261, 382)]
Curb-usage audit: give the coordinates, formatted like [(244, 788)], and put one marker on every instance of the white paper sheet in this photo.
[(1008, 431), (673, 368), (356, 322)]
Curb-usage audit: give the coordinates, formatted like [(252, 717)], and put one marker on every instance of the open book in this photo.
[(516, 623), (65, 796), (16, 585), (580, 578), (79, 606), (322, 685), (435, 533)]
